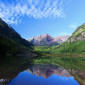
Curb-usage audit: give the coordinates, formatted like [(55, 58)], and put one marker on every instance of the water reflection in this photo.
[(48, 70), (44, 75)]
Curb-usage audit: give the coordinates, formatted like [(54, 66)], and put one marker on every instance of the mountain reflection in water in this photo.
[(48, 70), (44, 75)]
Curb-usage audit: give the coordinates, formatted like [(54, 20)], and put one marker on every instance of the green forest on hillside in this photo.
[(65, 48)]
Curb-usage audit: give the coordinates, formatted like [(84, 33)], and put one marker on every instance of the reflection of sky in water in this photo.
[(26, 78)]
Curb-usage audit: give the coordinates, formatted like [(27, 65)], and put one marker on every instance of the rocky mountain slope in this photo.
[(78, 35), (75, 44), (47, 40)]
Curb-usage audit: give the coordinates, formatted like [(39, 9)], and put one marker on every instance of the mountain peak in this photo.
[(46, 34), (46, 39)]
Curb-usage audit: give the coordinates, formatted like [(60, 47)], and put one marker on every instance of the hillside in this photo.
[(47, 40), (8, 31), (78, 35), (75, 44), (12, 44)]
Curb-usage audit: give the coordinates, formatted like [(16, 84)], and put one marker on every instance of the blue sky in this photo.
[(37, 17)]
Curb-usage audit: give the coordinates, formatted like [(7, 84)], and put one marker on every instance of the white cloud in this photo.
[(64, 33), (11, 12), (74, 26)]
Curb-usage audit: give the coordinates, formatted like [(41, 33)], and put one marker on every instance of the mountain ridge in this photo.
[(78, 34), (47, 40), (12, 44)]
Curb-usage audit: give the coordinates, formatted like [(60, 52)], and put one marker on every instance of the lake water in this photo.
[(44, 75)]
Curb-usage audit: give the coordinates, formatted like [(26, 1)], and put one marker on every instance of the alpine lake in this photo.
[(44, 71)]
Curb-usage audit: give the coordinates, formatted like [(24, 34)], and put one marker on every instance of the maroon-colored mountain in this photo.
[(63, 38), (47, 40)]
